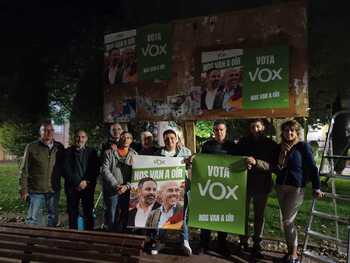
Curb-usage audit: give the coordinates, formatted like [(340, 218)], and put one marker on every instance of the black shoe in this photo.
[(257, 250)]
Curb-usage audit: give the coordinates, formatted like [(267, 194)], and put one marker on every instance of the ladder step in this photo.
[(337, 196), (331, 217), (330, 175), (313, 233), (317, 257), (337, 157)]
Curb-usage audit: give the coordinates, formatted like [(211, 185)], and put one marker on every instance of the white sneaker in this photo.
[(187, 248)]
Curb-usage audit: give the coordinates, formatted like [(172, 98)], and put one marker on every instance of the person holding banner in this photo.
[(260, 150), (116, 177), (218, 145), (295, 165), (170, 194)]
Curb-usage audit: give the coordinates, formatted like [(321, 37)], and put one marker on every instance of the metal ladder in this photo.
[(330, 159)]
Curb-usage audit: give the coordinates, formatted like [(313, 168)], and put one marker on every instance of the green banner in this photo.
[(265, 80), (154, 52), (218, 193)]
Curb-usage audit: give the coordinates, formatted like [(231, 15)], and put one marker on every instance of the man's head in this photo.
[(257, 128), (114, 57), (213, 78), (220, 130), (232, 77), (170, 140), (147, 190), (80, 138), (129, 55), (146, 139), (125, 139), (170, 193), (46, 132), (116, 130)]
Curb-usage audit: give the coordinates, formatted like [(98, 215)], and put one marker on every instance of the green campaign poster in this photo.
[(218, 193), (154, 52), (265, 79)]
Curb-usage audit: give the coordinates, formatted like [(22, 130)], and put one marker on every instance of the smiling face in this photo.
[(115, 131), (214, 79), (170, 141), (289, 134), (170, 194), (148, 193), (125, 139), (232, 78)]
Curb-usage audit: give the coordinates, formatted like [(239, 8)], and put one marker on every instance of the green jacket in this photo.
[(41, 168)]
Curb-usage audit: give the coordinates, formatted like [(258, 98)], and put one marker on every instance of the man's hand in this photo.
[(24, 196), (250, 162)]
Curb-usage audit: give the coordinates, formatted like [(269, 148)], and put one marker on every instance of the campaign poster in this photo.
[(221, 78), (120, 58), (157, 192), (218, 193), (266, 78), (154, 52)]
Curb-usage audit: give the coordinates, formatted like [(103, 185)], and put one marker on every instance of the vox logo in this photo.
[(265, 74), (222, 192)]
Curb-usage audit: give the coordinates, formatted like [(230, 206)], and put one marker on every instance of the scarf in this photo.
[(285, 149)]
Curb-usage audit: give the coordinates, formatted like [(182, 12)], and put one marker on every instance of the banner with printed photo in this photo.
[(221, 77), (154, 52), (266, 77), (120, 58), (218, 193), (157, 192)]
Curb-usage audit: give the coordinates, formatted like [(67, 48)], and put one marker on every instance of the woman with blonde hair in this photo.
[(295, 166)]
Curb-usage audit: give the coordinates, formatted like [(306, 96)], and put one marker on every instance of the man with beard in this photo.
[(212, 97), (170, 208), (147, 189), (260, 150), (114, 72)]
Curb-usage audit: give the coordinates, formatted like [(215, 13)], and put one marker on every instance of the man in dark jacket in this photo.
[(40, 177), (218, 145), (81, 171), (260, 150)]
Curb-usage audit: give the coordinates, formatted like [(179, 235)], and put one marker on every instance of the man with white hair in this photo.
[(40, 176), (147, 146)]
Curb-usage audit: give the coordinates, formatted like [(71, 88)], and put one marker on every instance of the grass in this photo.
[(10, 204)]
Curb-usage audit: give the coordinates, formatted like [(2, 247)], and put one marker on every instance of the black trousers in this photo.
[(87, 200)]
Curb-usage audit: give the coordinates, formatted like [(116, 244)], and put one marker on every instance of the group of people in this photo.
[(46, 160), (222, 92)]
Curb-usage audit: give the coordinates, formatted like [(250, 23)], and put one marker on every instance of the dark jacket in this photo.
[(41, 168), (300, 168), (80, 165), (263, 150), (218, 100), (212, 146)]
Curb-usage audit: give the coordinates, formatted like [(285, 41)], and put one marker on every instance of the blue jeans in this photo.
[(37, 204), (185, 232), (111, 203)]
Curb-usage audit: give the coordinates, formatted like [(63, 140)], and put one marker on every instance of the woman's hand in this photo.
[(318, 193)]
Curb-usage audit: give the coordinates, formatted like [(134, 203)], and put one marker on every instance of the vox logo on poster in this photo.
[(266, 74), (218, 193), (155, 51)]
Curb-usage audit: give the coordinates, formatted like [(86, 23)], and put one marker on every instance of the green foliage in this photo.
[(15, 136), (204, 129)]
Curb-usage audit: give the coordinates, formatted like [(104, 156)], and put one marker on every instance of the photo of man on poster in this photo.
[(170, 214), (146, 191)]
